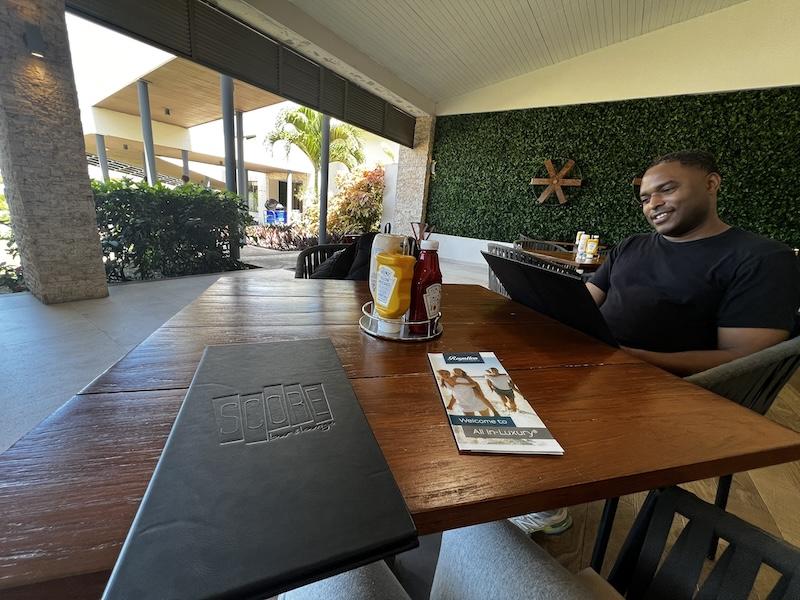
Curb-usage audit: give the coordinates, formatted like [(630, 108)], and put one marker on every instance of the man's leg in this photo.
[(371, 582), (550, 522), (497, 560)]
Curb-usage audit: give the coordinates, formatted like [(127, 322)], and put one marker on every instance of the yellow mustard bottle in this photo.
[(393, 286)]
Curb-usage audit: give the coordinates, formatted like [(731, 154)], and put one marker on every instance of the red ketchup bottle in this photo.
[(426, 287)]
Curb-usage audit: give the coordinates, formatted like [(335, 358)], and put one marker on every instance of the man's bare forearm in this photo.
[(685, 363)]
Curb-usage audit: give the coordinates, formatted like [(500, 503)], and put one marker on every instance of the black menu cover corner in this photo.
[(270, 479)]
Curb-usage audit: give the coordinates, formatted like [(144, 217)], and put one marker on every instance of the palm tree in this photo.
[(302, 127)]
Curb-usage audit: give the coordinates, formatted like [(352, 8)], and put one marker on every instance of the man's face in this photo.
[(677, 199)]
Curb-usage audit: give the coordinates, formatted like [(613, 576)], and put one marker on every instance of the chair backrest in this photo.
[(521, 256), (311, 258), (753, 381), (675, 576), (527, 243)]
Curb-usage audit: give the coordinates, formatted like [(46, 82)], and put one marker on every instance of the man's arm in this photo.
[(598, 295), (732, 343)]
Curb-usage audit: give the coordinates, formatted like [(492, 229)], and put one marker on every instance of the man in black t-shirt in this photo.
[(697, 293)]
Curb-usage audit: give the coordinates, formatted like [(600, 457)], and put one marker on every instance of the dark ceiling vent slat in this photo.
[(299, 78), (224, 44), (364, 109), (333, 94), (399, 126), (161, 22)]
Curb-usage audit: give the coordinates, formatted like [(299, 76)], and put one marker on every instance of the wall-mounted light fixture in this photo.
[(34, 40)]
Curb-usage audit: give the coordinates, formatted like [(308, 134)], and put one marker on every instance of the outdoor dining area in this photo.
[(563, 364), (626, 426)]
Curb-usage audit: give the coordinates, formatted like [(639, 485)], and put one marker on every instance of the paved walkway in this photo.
[(49, 353)]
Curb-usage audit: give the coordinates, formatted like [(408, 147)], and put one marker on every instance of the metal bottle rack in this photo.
[(370, 324)]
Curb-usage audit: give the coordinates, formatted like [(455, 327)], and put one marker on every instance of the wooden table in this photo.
[(569, 259), (70, 488)]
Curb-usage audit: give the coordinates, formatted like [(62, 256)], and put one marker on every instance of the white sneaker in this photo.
[(550, 522)]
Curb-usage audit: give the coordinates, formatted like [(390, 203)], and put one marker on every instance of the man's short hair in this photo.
[(700, 159)]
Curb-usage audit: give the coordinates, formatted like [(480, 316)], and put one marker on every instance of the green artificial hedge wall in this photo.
[(485, 161)]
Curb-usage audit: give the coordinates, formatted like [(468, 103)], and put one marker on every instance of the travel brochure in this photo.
[(487, 411)]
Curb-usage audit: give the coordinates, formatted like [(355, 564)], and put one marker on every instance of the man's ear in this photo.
[(713, 181)]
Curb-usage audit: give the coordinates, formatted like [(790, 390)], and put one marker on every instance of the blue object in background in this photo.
[(274, 217)]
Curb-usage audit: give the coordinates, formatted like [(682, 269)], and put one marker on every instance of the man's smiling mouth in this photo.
[(660, 216)]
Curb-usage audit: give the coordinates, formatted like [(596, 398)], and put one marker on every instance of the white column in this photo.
[(100, 142), (147, 132)]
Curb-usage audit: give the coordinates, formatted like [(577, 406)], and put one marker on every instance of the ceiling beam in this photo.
[(284, 22)]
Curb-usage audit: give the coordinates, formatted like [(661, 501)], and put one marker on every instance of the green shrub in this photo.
[(148, 232), (10, 274), (11, 277), (485, 161)]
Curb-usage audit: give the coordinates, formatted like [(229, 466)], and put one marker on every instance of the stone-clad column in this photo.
[(43, 158), (413, 176)]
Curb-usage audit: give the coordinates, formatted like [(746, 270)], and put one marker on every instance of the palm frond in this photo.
[(302, 127)]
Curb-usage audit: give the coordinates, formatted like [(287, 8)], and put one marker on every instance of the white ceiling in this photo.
[(445, 48)]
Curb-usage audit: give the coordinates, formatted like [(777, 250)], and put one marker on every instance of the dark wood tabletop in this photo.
[(70, 488), (569, 259)]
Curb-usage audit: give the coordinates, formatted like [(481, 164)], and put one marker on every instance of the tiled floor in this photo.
[(49, 353)]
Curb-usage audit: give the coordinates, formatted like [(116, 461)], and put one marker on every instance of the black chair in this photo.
[(642, 572), (311, 258), (753, 381)]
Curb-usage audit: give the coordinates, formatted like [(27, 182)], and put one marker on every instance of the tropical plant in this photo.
[(295, 236), (302, 127), (356, 208)]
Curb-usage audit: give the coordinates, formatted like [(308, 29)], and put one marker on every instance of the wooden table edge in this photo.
[(430, 521)]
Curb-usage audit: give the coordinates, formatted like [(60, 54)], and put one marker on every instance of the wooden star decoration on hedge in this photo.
[(554, 181)]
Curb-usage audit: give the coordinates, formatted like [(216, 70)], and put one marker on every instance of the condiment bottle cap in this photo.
[(429, 245)]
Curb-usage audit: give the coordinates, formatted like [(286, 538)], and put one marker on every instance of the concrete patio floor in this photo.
[(49, 353)]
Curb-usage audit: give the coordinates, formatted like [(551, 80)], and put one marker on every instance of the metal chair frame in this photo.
[(754, 382), (311, 258), (644, 571)]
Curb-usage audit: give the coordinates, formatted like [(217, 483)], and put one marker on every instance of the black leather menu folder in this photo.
[(270, 479)]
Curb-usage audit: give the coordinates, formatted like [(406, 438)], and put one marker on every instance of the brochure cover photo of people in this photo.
[(487, 411)]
